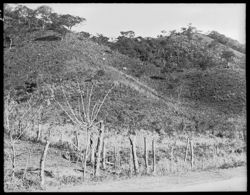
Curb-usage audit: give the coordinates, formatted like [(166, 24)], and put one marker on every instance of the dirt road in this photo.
[(215, 180)]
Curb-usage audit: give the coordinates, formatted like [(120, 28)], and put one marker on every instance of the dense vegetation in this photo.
[(227, 41), (184, 83)]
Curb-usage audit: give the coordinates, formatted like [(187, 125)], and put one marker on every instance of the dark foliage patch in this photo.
[(158, 78), (49, 38)]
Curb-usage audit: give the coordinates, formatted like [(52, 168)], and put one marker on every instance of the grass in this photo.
[(229, 153)]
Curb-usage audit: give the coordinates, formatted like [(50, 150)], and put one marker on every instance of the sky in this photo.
[(148, 20)]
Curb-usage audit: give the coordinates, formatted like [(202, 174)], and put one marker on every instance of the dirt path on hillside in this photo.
[(234, 179)]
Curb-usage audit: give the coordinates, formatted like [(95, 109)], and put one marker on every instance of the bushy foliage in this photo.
[(20, 20), (178, 50), (227, 41)]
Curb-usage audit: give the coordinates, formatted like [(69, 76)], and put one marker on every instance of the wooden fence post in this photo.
[(192, 153), (92, 149), (146, 154), (118, 157), (171, 158), (85, 157), (42, 162), (132, 139), (186, 152), (39, 123), (98, 150), (114, 149), (154, 160), (103, 155), (244, 134), (130, 162)]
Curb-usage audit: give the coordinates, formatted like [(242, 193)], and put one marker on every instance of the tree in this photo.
[(43, 13), (69, 21), (19, 13), (228, 56), (129, 34), (84, 34), (101, 39), (30, 16), (84, 115), (7, 11)]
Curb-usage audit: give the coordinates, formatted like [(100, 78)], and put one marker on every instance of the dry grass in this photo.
[(230, 153)]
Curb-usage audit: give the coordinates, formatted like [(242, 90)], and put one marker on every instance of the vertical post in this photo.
[(114, 149), (98, 150), (77, 145), (134, 156), (39, 124), (215, 154), (146, 154), (186, 152), (203, 161), (154, 160), (86, 155), (192, 153), (103, 155), (77, 140), (92, 149), (130, 162), (244, 134), (42, 162), (10, 43), (171, 158), (13, 159), (117, 157)]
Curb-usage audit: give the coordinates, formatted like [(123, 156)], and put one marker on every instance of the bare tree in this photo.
[(84, 115), (14, 119)]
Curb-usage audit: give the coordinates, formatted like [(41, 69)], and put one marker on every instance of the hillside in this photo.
[(99, 104), (48, 62)]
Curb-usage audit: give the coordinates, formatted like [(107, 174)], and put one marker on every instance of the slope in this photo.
[(58, 62)]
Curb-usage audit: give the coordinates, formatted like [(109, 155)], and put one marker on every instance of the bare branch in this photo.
[(80, 116), (65, 111), (102, 103), (93, 110), (70, 107), (82, 100), (89, 103)]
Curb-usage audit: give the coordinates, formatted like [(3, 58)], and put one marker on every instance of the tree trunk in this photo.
[(134, 156), (146, 154), (84, 159), (98, 151), (42, 162), (154, 160)]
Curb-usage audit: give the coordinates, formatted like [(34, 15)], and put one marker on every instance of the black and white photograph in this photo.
[(124, 97)]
